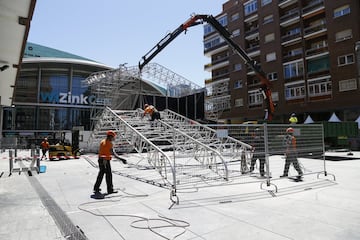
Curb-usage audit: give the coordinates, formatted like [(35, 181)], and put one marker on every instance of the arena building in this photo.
[(52, 97)]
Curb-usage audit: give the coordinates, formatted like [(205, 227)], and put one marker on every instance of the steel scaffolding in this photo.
[(180, 149)]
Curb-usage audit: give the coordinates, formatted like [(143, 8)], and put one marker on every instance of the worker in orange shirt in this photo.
[(44, 145), (105, 155), (152, 111)]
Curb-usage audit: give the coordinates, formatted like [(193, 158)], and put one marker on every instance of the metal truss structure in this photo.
[(119, 88), (181, 150), (178, 153)]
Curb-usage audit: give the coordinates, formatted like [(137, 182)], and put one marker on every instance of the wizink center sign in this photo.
[(67, 98)]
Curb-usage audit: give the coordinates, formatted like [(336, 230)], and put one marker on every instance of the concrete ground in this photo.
[(57, 205)]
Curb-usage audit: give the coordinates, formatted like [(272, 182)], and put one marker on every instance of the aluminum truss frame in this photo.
[(181, 150)]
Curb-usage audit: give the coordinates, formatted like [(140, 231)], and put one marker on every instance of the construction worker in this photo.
[(258, 149), (293, 119), (291, 154), (105, 155), (44, 145), (152, 111)]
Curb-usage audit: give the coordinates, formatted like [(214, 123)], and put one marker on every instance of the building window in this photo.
[(345, 59), (255, 97), (239, 102), (238, 84), (319, 87), (295, 52), (269, 37), (250, 7), (235, 17), (343, 35), (265, 2), (271, 57), (272, 76), (223, 20), (341, 11), (347, 85), (209, 29), (295, 90), (318, 64), (213, 42), (294, 69), (293, 31), (268, 19), (237, 67), (275, 96), (236, 33)]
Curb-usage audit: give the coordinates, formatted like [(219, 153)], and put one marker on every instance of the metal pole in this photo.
[(266, 142), (11, 164)]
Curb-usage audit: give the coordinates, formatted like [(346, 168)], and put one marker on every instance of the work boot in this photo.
[(112, 191)]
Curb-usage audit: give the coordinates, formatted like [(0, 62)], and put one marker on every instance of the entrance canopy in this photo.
[(15, 17)]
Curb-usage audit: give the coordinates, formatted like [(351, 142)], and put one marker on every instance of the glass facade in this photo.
[(50, 97)]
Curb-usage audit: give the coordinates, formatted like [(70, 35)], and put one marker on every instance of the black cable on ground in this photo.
[(168, 222)]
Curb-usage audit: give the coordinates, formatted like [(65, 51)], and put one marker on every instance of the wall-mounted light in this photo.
[(4, 67)]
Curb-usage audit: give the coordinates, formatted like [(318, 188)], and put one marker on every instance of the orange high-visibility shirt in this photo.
[(44, 145), (105, 149), (149, 110)]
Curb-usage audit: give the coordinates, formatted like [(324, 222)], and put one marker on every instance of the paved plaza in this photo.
[(56, 204)]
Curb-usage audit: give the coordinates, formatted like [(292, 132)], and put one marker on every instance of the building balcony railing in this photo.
[(314, 29), (285, 3), (289, 37), (288, 58), (318, 73), (216, 49), (252, 48), (218, 63), (252, 31), (300, 76), (220, 76), (316, 51), (313, 6), (290, 15)]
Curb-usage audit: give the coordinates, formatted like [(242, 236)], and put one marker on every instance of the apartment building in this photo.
[(309, 50)]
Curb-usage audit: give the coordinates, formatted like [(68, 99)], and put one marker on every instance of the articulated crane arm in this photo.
[(200, 19)]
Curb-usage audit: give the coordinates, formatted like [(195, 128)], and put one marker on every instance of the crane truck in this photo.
[(265, 85)]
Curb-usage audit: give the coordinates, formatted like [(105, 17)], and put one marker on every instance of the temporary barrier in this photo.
[(179, 153)]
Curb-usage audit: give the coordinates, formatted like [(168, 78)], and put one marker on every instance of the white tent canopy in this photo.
[(334, 118), (358, 121), (308, 120)]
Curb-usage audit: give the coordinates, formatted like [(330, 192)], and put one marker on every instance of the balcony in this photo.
[(315, 30), (216, 49), (292, 57), (290, 38), (313, 8), (290, 17), (294, 78), (324, 71), (285, 3), (216, 64), (252, 33), (251, 17), (219, 76), (316, 52)]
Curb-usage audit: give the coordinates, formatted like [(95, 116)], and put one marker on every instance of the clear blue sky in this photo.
[(117, 31)]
